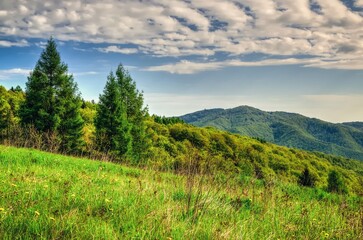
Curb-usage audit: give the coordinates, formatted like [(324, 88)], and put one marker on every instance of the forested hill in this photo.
[(287, 129)]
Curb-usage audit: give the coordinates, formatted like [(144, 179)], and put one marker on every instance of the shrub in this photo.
[(336, 183), (307, 178)]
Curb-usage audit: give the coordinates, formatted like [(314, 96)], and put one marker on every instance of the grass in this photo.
[(48, 196)]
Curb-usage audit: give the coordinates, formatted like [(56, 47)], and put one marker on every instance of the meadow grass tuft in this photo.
[(49, 196)]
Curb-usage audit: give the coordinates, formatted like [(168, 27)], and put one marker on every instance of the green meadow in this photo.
[(49, 196)]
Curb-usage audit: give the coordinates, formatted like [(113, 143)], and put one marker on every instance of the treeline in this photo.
[(51, 115)]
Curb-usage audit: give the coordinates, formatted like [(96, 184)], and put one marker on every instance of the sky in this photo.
[(303, 56)]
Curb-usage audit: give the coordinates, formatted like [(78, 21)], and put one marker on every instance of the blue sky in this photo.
[(303, 56)]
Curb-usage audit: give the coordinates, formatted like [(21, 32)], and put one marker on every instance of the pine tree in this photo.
[(135, 112), (112, 127), (71, 126), (52, 100)]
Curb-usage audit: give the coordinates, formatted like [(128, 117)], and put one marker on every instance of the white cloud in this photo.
[(21, 43), (185, 67), (8, 73), (116, 49), (189, 67), (85, 73), (196, 27), (359, 3)]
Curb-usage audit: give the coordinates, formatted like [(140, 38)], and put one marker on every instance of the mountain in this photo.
[(287, 129)]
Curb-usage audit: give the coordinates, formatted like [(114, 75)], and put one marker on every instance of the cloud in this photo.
[(116, 49), (21, 43), (189, 67), (8, 73), (185, 67), (85, 73), (328, 29), (359, 3)]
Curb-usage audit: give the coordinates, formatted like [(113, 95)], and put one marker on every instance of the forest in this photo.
[(50, 115)]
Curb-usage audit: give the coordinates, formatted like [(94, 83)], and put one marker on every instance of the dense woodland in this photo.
[(51, 115)]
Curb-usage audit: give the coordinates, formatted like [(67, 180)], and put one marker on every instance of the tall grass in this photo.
[(50, 196)]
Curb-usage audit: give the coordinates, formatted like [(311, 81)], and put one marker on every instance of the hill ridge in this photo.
[(285, 128)]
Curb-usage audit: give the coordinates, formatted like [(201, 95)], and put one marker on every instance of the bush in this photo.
[(307, 178), (336, 183)]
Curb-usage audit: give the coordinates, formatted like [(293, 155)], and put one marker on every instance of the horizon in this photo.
[(302, 57)]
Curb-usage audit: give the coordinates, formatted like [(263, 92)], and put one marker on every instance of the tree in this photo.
[(5, 110), (133, 100), (112, 127), (52, 102), (336, 183), (307, 178)]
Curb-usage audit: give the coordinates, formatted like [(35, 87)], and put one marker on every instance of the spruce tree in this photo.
[(52, 102), (133, 100), (112, 127)]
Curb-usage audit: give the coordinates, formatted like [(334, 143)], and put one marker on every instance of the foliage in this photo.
[(287, 129), (167, 120), (233, 154), (112, 126), (52, 103), (10, 101), (133, 100), (336, 183), (307, 178)]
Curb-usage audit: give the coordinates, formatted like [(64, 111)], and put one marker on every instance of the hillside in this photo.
[(49, 196), (286, 129)]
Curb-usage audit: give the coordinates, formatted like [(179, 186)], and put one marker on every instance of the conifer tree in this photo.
[(52, 102), (133, 100), (112, 127)]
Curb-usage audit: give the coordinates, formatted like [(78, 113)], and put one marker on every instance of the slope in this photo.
[(287, 129), (49, 196)]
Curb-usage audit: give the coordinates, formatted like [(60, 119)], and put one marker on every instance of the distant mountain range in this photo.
[(287, 129)]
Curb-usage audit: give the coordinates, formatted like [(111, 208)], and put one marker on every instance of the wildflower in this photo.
[(52, 218), (2, 209), (107, 200), (325, 234), (73, 195), (37, 213), (13, 185)]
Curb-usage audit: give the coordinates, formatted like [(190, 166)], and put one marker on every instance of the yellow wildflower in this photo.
[(37, 213), (2, 209), (52, 218)]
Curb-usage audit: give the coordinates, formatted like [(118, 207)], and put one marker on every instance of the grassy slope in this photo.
[(43, 195), (288, 129)]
